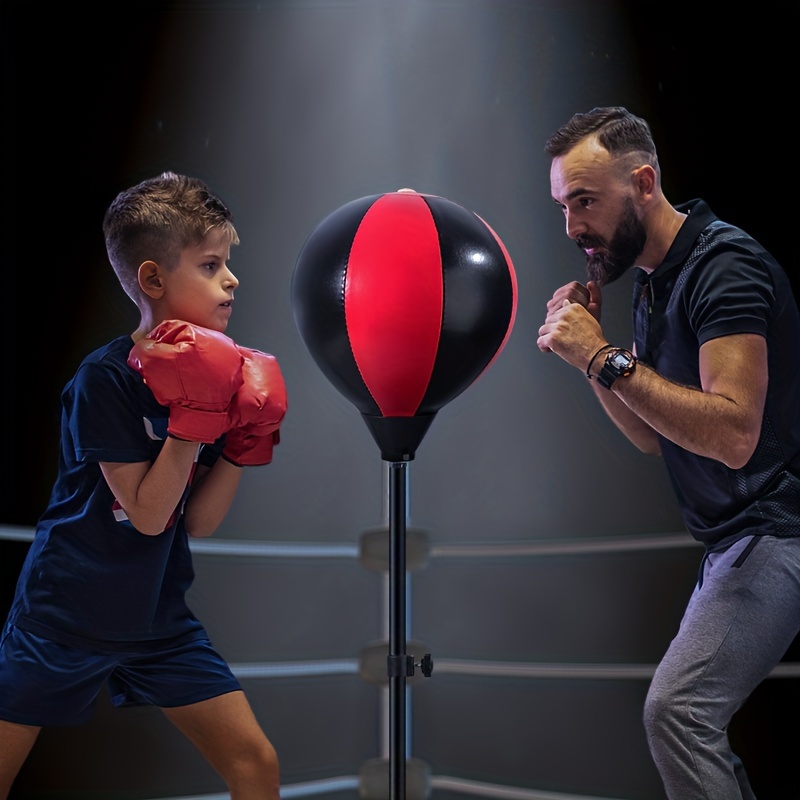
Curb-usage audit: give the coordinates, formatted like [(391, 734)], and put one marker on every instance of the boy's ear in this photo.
[(150, 281)]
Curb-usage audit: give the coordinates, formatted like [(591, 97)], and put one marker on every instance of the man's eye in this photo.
[(586, 201)]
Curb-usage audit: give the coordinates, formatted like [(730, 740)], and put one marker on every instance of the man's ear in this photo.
[(644, 181), (150, 281)]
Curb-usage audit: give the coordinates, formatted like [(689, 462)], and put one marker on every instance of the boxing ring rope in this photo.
[(494, 669), (504, 670), (630, 543)]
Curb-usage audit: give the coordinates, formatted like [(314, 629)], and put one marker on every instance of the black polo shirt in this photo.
[(716, 280)]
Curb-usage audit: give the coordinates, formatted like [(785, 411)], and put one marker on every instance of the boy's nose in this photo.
[(231, 280)]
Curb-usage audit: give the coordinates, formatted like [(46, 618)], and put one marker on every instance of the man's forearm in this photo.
[(701, 422)]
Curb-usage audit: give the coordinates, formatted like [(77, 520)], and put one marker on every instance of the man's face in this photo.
[(595, 195), (608, 261)]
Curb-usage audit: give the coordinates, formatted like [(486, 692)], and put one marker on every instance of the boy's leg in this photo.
[(16, 742), (225, 730)]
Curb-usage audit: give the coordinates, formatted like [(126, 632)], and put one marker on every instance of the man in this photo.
[(712, 384)]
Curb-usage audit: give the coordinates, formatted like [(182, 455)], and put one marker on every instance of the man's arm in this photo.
[(631, 424), (562, 334), (721, 420)]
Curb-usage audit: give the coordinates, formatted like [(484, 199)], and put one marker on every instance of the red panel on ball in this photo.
[(393, 313)]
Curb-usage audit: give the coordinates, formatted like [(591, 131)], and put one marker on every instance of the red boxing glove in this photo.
[(193, 370), (245, 449), (256, 412)]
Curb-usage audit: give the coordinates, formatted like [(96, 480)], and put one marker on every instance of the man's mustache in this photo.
[(587, 242)]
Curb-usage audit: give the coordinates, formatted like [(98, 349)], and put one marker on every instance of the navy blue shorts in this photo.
[(46, 683)]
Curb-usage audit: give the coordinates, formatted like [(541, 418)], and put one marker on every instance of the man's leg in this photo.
[(16, 742), (737, 626), (225, 730)]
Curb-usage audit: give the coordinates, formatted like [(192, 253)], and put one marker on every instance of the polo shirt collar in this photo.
[(699, 216)]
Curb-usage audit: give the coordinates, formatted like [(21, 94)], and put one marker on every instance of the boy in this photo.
[(155, 429)]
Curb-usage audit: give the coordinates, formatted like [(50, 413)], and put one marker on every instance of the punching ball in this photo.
[(403, 299)]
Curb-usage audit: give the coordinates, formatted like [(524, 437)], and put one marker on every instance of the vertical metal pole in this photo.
[(398, 660)]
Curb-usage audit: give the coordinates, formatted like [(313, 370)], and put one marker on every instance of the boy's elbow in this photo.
[(153, 530), (199, 528), (200, 534), (147, 525)]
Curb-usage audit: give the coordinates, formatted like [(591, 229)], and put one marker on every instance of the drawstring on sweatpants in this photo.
[(738, 563)]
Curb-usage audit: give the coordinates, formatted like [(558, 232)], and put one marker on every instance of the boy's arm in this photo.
[(256, 413), (213, 490), (230, 389), (149, 492), (196, 373)]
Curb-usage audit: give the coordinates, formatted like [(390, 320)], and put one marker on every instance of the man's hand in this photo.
[(589, 296), (571, 328)]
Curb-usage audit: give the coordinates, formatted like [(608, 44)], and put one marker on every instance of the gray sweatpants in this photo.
[(740, 620)]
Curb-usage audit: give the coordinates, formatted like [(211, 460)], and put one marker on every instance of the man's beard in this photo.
[(626, 245)]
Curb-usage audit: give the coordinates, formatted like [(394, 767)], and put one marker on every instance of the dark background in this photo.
[(720, 90)]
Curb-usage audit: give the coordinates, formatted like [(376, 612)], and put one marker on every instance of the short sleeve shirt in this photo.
[(717, 281), (90, 578)]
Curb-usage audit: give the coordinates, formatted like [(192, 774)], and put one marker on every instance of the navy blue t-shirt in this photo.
[(716, 280), (90, 578)]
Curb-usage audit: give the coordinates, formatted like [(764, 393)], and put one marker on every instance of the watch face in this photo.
[(620, 360), (619, 364)]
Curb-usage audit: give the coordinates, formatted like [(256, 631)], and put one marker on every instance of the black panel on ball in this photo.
[(479, 301), (317, 296)]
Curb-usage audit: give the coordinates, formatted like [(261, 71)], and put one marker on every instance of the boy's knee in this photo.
[(255, 763)]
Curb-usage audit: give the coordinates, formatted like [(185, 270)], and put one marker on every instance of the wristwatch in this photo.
[(619, 364)]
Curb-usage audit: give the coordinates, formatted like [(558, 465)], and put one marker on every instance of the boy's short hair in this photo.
[(156, 220)]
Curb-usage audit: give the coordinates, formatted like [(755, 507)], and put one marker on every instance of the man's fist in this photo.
[(193, 370), (256, 412)]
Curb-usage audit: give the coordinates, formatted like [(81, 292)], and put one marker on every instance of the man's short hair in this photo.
[(616, 129)]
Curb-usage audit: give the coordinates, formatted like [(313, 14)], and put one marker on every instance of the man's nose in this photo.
[(573, 226)]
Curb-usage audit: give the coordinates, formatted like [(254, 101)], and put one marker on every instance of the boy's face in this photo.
[(200, 288)]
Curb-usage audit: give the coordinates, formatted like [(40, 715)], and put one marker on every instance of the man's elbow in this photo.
[(739, 450), (649, 447)]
